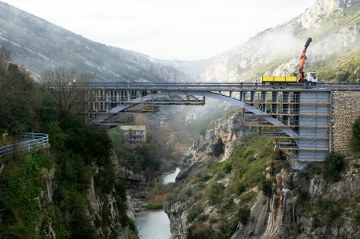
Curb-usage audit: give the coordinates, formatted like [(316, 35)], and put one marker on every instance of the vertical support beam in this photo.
[(296, 110), (263, 100), (252, 97), (275, 101), (286, 108)]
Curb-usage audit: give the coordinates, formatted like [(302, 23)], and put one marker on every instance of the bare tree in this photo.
[(68, 87)]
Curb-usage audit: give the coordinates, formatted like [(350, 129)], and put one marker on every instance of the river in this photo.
[(155, 224)]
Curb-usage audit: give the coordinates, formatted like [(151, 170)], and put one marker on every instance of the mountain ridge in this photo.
[(41, 45), (332, 24)]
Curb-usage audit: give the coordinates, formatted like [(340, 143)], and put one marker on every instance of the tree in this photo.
[(355, 141), (333, 166), (20, 96), (68, 87)]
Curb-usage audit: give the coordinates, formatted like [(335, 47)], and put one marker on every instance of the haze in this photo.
[(167, 29)]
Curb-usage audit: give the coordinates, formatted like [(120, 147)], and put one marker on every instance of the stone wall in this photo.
[(345, 110)]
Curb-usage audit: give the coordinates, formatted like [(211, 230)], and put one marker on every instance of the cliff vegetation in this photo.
[(66, 190)]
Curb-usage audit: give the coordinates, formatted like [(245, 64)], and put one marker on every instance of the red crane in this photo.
[(302, 60)]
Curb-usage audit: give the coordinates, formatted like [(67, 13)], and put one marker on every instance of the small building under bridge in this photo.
[(134, 135)]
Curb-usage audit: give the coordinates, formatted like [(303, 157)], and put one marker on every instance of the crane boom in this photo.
[(302, 60)]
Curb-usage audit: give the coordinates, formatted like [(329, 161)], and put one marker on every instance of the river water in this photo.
[(155, 224)]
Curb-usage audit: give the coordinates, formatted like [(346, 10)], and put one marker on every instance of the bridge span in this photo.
[(298, 118)]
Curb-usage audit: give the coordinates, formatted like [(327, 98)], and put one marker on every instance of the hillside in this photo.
[(334, 26), (40, 45), (236, 184)]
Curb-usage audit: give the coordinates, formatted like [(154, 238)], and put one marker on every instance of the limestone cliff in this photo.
[(253, 193), (215, 145), (101, 209)]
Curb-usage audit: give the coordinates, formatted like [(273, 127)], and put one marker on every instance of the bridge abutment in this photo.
[(345, 110)]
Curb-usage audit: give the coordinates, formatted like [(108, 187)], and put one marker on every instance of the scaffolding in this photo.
[(307, 113)]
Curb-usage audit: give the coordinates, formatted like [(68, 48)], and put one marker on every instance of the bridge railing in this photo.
[(217, 85), (32, 141)]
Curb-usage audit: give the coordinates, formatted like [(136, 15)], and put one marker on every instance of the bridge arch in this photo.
[(217, 96)]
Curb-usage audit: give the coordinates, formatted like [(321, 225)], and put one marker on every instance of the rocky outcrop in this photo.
[(94, 210), (305, 207), (217, 144), (96, 206)]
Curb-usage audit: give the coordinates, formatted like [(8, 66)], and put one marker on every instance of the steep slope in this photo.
[(247, 190), (41, 45), (334, 26)]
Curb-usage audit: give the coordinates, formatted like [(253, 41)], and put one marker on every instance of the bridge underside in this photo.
[(297, 119)]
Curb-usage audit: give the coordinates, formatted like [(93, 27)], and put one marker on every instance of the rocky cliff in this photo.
[(249, 191), (215, 145), (304, 205)]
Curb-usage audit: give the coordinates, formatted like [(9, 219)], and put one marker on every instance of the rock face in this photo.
[(299, 205), (216, 145), (97, 205), (95, 209), (291, 215)]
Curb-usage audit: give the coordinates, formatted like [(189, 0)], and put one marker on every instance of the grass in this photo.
[(21, 184), (157, 201)]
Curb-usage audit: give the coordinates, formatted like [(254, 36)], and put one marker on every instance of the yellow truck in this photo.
[(278, 79), (283, 81)]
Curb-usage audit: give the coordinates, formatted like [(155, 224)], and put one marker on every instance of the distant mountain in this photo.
[(334, 26), (191, 68), (41, 45)]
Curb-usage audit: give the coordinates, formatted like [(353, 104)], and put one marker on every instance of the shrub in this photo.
[(201, 231), (356, 215), (266, 188), (195, 211), (329, 210), (315, 223), (355, 141), (215, 193), (244, 214), (333, 165), (227, 167)]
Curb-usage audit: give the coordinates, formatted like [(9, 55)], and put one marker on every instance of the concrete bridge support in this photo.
[(345, 109)]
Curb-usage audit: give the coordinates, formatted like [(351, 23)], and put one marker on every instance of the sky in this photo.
[(167, 29)]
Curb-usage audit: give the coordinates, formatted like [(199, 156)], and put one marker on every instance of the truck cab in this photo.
[(311, 78)]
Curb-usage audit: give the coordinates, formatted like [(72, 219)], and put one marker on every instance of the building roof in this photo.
[(132, 127)]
